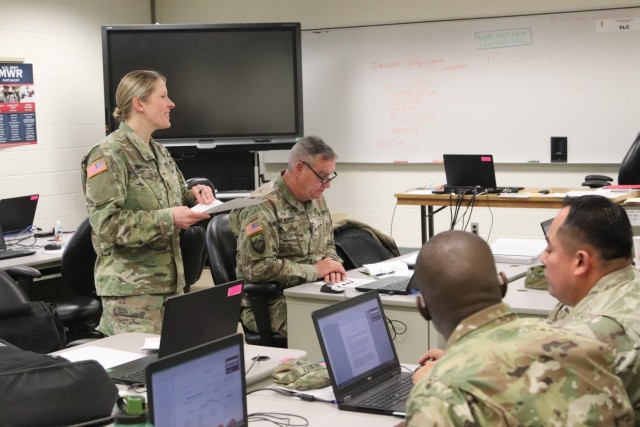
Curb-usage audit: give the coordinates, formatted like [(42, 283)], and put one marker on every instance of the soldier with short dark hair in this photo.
[(499, 370), (137, 201), (588, 268), (288, 239)]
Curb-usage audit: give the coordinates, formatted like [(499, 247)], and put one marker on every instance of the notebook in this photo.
[(202, 386), (11, 253), (392, 285), (472, 173), (189, 320), (361, 359), (17, 213)]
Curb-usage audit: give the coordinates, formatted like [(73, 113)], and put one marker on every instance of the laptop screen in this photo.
[(546, 225), (17, 213), (355, 338), (469, 170), (202, 386)]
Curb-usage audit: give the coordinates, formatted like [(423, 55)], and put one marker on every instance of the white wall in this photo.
[(61, 38), (365, 191)]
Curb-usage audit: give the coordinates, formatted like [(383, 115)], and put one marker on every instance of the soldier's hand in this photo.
[(330, 270), (203, 193), (184, 217), (433, 354), (422, 371)]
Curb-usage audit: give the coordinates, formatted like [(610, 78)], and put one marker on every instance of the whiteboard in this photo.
[(502, 86)]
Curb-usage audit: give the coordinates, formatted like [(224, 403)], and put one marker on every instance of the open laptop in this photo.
[(360, 356), (546, 225), (392, 285), (472, 173), (11, 253), (202, 386), (17, 213), (189, 320)]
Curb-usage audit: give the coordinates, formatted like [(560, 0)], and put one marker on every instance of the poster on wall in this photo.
[(17, 105)]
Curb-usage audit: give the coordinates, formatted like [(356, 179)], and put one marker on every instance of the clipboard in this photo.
[(217, 206)]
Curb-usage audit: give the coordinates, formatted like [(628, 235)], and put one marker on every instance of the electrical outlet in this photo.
[(475, 228)]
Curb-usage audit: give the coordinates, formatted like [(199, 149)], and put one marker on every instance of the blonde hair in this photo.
[(136, 84)]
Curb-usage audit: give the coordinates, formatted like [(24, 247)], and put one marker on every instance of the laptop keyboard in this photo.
[(399, 285), (390, 395), (137, 377), (14, 253)]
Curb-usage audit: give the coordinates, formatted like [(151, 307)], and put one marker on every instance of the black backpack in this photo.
[(41, 390)]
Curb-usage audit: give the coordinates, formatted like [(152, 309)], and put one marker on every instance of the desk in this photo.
[(318, 413), (303, 299), (42, 259), (258, 377), (534, 201)]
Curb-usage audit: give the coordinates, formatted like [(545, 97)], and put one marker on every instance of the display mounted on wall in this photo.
[(17, 105)]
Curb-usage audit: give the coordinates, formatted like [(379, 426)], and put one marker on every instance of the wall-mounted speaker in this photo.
[(559, 149)]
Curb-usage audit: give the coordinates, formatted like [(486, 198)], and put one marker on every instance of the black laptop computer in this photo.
[(11, 253), (362, 362), (392, 285), (202, 386), (189, 320), (17, 213), (472, 173)]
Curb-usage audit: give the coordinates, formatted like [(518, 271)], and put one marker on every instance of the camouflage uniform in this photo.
[(130, 187), (500, 370), (279, 241), (610, 313)]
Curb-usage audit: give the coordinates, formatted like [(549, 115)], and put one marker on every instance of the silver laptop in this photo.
[(202, 386), (189, 320), (360, 356)]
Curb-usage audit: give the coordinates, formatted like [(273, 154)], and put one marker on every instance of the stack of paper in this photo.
[(386, 268), (518, 251)]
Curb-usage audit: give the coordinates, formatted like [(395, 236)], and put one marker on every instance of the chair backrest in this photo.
[(13, 301), (79, 260), (221, 245), (630, 166), (358, 246), (193, 254)]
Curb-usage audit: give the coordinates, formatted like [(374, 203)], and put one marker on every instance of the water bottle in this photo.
[(57, 231)]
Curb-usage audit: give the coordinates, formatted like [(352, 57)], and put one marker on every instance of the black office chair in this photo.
[(32, 326), (77, 303), (628, 174), (193, 254), (222, 246)]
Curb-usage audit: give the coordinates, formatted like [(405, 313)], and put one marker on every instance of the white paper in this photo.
[(518, 251), (107, 357), (386, 267), (151, 343), (218, 206)]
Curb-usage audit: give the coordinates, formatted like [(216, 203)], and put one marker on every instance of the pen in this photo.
[(384, 274)]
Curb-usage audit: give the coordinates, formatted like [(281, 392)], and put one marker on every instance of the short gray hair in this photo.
[(308, 148)]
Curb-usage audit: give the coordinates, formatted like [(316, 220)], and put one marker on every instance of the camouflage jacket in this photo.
[(610, 313), (281, 239), (500, 370), (130, 187)]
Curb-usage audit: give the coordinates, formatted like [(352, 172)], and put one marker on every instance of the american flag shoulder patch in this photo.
[(253, 228), (96, 168)]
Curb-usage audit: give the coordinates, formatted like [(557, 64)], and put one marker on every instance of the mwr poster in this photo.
[(17, 105)]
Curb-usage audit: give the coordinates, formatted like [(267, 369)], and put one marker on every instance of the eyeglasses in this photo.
[(322, 180)]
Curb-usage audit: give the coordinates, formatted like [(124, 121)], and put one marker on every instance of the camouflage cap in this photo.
[(535, 278), (300, 374)]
